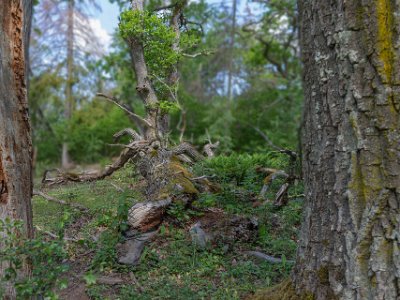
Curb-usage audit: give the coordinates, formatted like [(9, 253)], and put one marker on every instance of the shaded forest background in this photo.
[(246, 80)]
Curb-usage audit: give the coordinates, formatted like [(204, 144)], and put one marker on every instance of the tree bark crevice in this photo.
[(349, 239)]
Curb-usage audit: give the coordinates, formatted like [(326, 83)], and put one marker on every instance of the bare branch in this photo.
[(173, 93), (291, 153), (127, 131), (182, 125), (209, 149), (266, 257), (189, 150), (53, 235), (62, 202), (130, 152), (115, 101), (205, 53), (165, 7)]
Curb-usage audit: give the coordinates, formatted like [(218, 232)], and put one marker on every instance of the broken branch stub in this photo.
[(145, 216)]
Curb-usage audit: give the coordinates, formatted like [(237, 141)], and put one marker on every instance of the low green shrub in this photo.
[(45, 256)]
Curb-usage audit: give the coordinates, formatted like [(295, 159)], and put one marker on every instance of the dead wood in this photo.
[(181, 126), (127, 131), (110, 280), (266, 257), (145, 216), (291, 153), (125, 109), (272, 175), (62, 202), (189, 150), (210, 148), (282, 198), (130, 152), (53, 235)]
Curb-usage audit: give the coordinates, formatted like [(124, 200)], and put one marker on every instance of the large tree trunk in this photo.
[(350, 238), (69, 98), (15, 139)]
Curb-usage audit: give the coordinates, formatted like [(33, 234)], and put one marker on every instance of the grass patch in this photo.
[(172, 267)]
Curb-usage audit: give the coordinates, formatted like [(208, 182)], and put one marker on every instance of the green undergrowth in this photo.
[(172, 267)]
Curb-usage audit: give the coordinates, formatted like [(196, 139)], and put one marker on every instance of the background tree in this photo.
[(63, 47), (349, 240), (15, 139)]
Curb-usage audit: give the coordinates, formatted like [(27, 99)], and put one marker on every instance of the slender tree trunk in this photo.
[(350, 238), (69, 98), (15, 139), (231, 51)]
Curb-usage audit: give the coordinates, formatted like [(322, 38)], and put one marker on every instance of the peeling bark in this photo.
[(349, 245), (15, 139)]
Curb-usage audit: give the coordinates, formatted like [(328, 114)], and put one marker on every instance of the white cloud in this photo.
[(104, 38)]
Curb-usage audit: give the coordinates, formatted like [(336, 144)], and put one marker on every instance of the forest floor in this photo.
[(172, 266)]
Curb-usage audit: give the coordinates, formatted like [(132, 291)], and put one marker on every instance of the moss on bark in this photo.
[(282, 291)]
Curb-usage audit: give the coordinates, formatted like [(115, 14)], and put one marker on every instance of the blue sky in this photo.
[(105, 22), (109, 15)]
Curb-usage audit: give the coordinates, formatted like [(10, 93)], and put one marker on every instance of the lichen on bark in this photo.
[(350, 150), (384, 14)]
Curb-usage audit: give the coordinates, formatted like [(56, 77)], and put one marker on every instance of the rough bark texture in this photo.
[(15, 140), (349, 245)]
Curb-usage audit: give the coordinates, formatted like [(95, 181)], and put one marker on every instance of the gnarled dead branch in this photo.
[(127, 131), (189, 150)]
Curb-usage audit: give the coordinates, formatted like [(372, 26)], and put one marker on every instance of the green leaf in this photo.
[(90, 278)]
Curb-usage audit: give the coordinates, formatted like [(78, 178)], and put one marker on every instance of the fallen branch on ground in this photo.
[(266, 257), (53, 235), (62, 202)]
